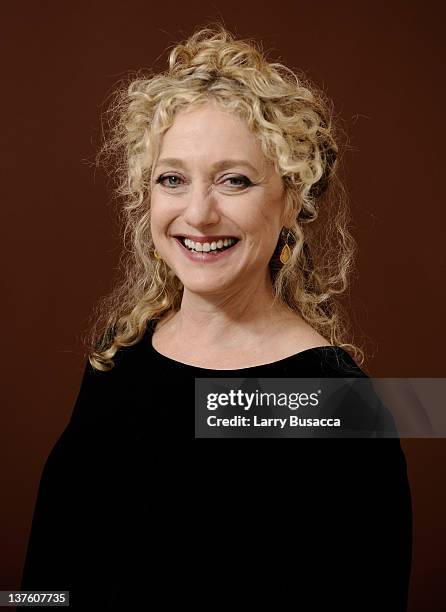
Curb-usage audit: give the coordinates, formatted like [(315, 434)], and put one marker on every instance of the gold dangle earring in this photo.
[(285, 253), (157, 255)]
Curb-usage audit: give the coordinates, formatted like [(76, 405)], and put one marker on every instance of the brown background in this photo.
[(383, 65)]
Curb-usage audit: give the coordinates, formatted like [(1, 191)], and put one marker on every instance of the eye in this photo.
[(161, 179), (244, 180)]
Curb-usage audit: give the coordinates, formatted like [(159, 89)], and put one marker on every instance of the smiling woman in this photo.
[(236, 246), (224, 146)]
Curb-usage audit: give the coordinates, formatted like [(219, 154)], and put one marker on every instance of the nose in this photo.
[(201, 209)]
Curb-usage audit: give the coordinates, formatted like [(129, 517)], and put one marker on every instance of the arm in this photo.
[(69, 542), (375, 527)]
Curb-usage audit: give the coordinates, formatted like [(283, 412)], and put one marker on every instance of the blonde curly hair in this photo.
[(294, 123)]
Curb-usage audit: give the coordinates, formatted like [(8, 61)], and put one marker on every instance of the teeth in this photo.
[(208, 246)]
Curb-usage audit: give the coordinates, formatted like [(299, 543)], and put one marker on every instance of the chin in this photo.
[(205, 286)]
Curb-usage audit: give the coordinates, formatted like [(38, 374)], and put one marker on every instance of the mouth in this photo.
[(212, 245)]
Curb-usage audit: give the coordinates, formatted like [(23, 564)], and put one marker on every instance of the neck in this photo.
[(239, 315)]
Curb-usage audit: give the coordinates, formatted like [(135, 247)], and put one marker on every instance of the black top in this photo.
[(124, 514)]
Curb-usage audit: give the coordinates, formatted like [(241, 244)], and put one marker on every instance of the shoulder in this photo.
[(102, 394), (337, 362), (297, 338), (312, 353)]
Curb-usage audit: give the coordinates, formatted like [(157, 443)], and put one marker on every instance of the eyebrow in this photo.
[(220, 165)]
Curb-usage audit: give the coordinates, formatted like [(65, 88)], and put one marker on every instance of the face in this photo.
[(216, 203)]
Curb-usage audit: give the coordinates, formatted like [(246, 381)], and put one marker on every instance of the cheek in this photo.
[(262, 239), (264, 228), (267, 221), (160, 217)]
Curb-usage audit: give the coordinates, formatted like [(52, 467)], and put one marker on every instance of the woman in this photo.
[(237, 244)]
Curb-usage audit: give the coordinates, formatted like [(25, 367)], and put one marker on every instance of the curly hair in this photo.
[(294, 123)]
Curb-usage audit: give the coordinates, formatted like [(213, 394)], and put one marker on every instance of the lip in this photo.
[(204, 257), (204, 239)]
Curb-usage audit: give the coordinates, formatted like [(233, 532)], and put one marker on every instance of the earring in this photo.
[(157, 255), (285, 253)]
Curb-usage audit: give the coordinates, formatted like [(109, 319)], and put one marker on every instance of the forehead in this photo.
[(206, 131)]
